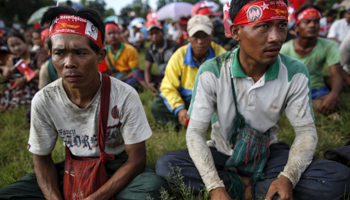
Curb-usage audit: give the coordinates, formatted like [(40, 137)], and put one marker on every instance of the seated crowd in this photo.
[(239, 87)]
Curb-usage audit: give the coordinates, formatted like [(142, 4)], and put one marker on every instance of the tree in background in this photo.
[(19, 11), (140, 7), (98, 5)]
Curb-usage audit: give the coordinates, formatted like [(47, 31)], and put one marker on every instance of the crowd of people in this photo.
[(238, 86)]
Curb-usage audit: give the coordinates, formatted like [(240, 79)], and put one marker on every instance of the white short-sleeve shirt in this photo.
[(53, 115), (339, 29), (285, 87)]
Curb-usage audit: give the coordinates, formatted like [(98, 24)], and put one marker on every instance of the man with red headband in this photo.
[(122, 58), (248, 89), (315, 52), (70, 108)]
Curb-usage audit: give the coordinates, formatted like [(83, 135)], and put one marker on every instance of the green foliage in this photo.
[(20, 10), (180, 191), (15, 160)]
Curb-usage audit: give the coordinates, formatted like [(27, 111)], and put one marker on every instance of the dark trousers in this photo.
[(146, 184), (323, 179), (162, 114)]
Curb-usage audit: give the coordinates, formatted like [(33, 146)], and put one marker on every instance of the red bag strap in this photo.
[(104, 106)]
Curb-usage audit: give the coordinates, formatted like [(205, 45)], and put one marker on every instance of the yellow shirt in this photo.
[(127, 61), (180, 75)]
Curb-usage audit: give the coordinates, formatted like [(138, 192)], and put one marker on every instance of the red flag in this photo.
[(227, 20), (102, 66), (25, 70), (152, 15), (296, 3)]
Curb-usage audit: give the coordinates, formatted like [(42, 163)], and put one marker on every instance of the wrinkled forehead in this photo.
[(66, 40)]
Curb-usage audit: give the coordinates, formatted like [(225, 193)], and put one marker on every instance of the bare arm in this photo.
[(46, 175), (127, 76), (329, 103), (335, 39), (148, 77), (148, 67), (125, 174)]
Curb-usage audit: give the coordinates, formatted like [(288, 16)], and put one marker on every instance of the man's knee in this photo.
[(162, 165), (171, 162), (138, 75), (145, 185)]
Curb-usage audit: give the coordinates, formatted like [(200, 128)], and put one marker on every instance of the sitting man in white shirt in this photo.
[(340, 28), (248, 89)]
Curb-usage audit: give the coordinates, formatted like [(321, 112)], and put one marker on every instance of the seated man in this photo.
[(122, 58), (340, 27), (70, 106), (345, 58), (159, 52), (315, 52), (326, 22), (136, 37), (252, 86), (180, 73)]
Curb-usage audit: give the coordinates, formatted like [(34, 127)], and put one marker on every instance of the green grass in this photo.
[(16, 161)]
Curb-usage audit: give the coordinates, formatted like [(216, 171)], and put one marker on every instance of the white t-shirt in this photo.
[(339, 29), (345, 53), (53, 114)]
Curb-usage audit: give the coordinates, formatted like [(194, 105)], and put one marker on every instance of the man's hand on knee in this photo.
[(183, 117), (283, 187), (329, 104), (219, 194)]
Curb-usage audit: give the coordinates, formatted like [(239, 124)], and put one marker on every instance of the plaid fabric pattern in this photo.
[(250, 152), (83, 176)]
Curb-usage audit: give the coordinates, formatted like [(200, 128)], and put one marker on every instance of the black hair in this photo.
[(38, 30), (15, 34), (306, 6), (342, 14), (332, 12), (111, 23), (93, 16), (237, 5)]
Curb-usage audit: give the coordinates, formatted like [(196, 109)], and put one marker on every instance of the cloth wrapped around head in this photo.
[(256, 12), (76, 25), (307, 14)]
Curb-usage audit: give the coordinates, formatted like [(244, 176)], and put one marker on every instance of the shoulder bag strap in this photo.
[(104, 106), (239, 120)]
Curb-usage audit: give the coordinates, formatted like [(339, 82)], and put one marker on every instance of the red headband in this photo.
[(44, 34), (76, 25), (205, 11), (110, 26), (261, 11), (307, 14)]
